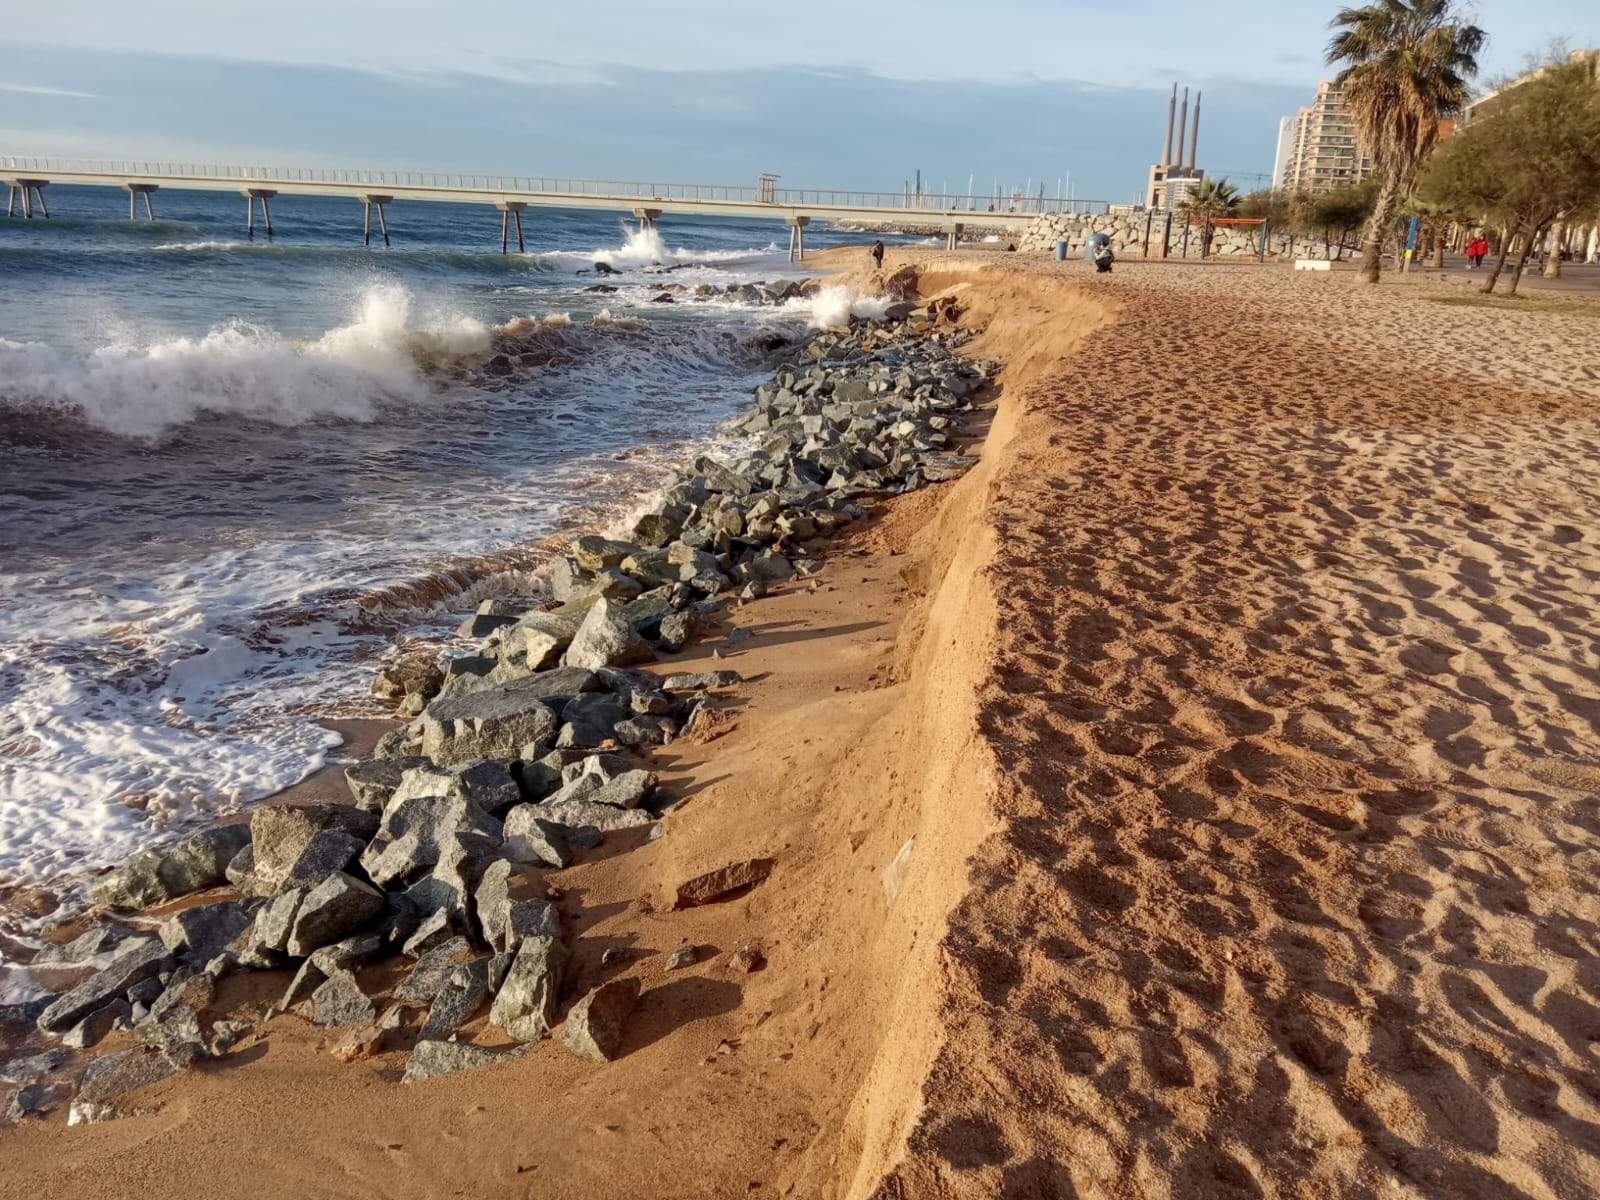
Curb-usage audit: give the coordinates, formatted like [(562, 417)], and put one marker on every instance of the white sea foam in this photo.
[(835, 304), (243, 370)]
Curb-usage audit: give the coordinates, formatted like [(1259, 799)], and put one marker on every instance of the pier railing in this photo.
[(240, 174)]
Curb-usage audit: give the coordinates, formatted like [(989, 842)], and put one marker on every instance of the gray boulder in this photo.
[(526, 1004), (432, 971), (430, 805), (372, 782), (676, 631), (92, 1029), (280, 834), (595, 553), (532, 838), (538, 639), (581, 814), (434, 1058), (115, 1075), (450, 882), (488, 724), (155, 875), (337, 906), (203, 932), (413, 675), (134, 961), (589, 721), (456, 1003), (607, 639), (596, 1024), (627, 790), (339, 1001)]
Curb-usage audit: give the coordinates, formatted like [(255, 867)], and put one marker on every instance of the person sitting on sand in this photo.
[(877, 255), (1103, 258)]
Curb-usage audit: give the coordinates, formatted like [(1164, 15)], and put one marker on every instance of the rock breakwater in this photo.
[(401, 918)]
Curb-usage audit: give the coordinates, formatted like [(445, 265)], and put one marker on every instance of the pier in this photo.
[(512, 196)]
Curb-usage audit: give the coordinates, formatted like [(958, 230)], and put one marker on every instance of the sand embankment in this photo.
[(1196, 800)]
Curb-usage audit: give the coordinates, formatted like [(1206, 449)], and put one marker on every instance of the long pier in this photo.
[(27, 177)]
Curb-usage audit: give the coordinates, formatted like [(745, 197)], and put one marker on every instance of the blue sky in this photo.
[(828, 93)]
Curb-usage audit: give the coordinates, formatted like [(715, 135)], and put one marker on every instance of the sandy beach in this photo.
[(1197, 799)]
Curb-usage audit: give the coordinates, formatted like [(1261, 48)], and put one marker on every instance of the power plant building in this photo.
[(1172, 178)]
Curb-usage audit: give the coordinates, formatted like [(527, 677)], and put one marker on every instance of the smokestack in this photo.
[(1194, 140), (1172, 111), (1183, 124)]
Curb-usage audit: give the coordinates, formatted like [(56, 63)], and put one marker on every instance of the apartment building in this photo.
[(1320, 151)]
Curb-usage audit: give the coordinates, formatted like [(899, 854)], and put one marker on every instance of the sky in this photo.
[(829, 93)]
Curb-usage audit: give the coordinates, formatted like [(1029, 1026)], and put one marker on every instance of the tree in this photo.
[(1213, 198), (1338, 213), (1406, 68), (1522, 163)]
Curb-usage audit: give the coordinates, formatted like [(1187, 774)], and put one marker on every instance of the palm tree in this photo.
[(1213, 198), (1406, 68)]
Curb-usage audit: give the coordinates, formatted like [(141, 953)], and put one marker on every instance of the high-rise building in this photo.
[(1165, 176), (1324, 151), (1285, 152)]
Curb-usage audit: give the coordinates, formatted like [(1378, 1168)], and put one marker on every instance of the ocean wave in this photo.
[(835, 304)]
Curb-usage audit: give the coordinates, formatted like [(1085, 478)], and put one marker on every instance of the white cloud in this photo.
[(29, 89)]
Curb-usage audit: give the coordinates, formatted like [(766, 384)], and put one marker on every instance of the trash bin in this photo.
[(1061, 250)]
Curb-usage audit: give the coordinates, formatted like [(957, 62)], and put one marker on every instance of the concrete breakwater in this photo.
[(399, 918)]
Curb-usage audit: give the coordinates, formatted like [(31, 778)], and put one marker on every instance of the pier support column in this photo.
[(511, 210), (32, 193), (135, 190), (647, 217), (251, 195), (368, 202), (797, 238), (11, 198), (952, 236)]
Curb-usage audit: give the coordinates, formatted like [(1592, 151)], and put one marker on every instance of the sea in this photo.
[(237, 473)]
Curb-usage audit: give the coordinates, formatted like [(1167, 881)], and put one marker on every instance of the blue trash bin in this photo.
[(1061, 250)]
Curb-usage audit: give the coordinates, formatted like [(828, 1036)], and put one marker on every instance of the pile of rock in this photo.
[(1127, 231), (516, 757)]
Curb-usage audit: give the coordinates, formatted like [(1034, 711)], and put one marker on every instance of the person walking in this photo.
[(877, 255)]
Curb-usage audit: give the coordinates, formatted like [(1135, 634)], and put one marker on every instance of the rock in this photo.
[(34, 1067), (768, 567), (359, 1044), (329, 851), (113, 1076), (747, 958), (538, 639), (590, 720), (723, 882), (701, 681), (720, 479), (134, 960), (938, 468), (337, 906), (241, 870), (339, 1001), (154, 876), (345, 955), (606, 639), (399, 743), (595, 1026), (676, 632), (498, 723), (433, 971), (92, 1029), (281, 834), (461, 997), (481, 625), (373, 782), (225, 1035), (427, 810), (683, 956), (628, 790), (531, 838), (202, 932), (644, 731), (414, 675), (435, 930), (526, 1004), (431, 1059), (754, 590), (506, 922), (269, 932), (33, 1100), (596, 553), (448, 886), (91, 942), (581, 814)]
